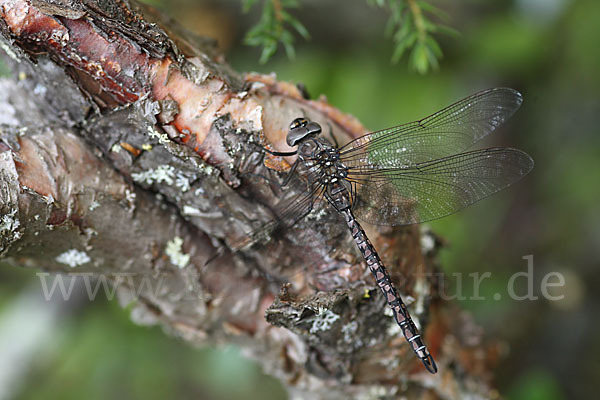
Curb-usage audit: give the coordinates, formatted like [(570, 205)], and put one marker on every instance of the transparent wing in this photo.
[(449, 131), (433, 189), (303, 193)]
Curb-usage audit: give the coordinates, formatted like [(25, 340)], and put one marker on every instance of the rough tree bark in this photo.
[(129, 148)]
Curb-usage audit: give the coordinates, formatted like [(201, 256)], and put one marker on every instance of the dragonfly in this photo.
[(402, 175)]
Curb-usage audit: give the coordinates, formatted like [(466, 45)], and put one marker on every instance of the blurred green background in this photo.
[(548, 50)]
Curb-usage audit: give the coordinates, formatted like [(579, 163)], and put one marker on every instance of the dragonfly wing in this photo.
[(449, 131), (434, 189), (302, 195)]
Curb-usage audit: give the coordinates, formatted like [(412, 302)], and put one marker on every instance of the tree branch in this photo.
[(133, 151)]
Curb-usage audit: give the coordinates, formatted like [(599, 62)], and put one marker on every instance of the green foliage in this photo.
[(272, 28), (412, 30), (409, 26)]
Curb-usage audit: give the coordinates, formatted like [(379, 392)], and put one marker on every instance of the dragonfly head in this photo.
[(301, 128)]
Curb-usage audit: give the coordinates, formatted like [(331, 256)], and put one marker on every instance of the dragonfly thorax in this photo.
[(323, 159)]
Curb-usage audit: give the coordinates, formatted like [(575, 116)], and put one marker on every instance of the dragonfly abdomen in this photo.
[(401, 314)]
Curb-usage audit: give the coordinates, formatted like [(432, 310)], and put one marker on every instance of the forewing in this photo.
[(301, 194), (434, 189), (449, 131)]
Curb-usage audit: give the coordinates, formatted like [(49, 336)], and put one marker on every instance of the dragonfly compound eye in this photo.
[(300, 129), (298, 123)]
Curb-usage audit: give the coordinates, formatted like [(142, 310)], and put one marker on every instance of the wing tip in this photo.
[(513, 94)]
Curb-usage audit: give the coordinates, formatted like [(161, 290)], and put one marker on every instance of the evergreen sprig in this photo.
[(412, 29), (410, 26), (273, 27)]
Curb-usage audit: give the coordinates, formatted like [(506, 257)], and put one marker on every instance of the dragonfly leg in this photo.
[(280, 153), (272, 181), (290, 174)]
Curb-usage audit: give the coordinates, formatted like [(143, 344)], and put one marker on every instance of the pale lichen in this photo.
[(163, 173), (378, 392), (10, 53), (182, 182), (191, 211), (9, 228), (175, 252), (323, 321), (73, 258), (317, 214), (161, 137), (9, 224), (207, 169)]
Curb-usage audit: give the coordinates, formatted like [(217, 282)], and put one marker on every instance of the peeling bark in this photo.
[(130, 149)]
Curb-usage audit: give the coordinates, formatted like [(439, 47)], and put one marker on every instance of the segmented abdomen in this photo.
[(401, 314)]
